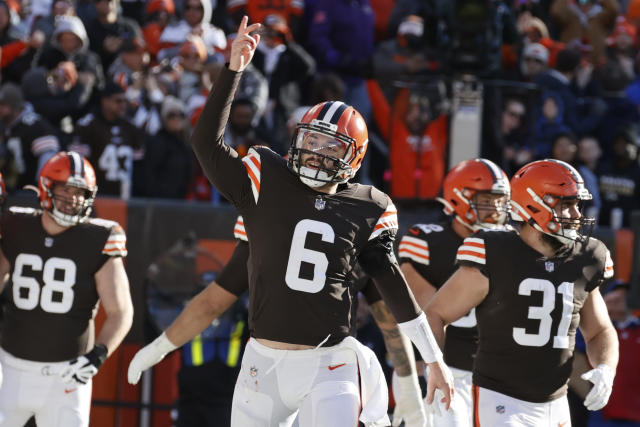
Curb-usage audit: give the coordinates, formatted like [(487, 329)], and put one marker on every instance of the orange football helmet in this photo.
[(72, 169), (464, 182), (538, 187), (346, 129)]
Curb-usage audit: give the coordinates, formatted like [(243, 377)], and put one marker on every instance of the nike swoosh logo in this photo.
[(414, 232), (69, 390), (331, 368)]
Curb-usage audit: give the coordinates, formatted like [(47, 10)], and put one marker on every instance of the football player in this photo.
[(307, 228), (476, 196), (204, 309), (531, 291), (60, 263)]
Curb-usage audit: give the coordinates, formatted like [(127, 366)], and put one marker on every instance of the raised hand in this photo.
[(244, 45)]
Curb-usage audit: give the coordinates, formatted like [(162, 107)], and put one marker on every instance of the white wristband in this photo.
[(419, 332), (162, 345)]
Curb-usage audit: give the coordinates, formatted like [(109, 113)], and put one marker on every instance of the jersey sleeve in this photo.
[(234, 277), (387, 223), (414, 248), (472, 253), (239, 231), (222, 165), (603, 267), (116, 244)]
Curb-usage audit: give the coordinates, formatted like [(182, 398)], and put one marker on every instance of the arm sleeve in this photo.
[(379, 261), (221, 163), (234, 277)]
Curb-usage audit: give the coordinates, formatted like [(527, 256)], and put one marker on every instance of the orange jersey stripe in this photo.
[(389, 213), (253, 177), (472, 253), (406, 242), (409, 251), (477, 245)]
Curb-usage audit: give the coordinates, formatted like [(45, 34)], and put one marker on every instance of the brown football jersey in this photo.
[(51, 292), (527, 322), (431, 250), (303, 247)]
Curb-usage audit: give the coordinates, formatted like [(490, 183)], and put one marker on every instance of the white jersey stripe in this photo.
[(414, 249), (471, 258), (416, 258), (415, 241)]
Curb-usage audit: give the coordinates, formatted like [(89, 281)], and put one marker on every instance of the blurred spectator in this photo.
[(129, 66), (536, 31), (70, 43), (112, 144), (288, 69), (633, 89), (620, 177), (258, 10), (197, 17), (549, 124), (339, 45), (515, 149), (15, 53), (168, 160), (589, 152), (417, 138), (158, 15), (241, 133), (590, 20), (108, 30), (623, 409), (30, 138), (47, 23), (558, 80), (192, 57), (61, 96), (621, 47), (428, 10), (535, 60), (564, 147), (404, 56), (620, 111)]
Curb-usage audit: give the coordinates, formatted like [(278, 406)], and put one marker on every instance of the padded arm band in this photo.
[(419, 332)]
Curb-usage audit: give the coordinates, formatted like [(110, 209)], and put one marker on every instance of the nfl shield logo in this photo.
[(500, 409), (549, 266), (48, 242), (320, 203), (253, 371)]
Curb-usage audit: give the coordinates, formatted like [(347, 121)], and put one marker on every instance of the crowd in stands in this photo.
[(123, 82)]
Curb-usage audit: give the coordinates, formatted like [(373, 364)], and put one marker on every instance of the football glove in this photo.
[(409, 405), (82, 369), (148, 356), (602, 379)]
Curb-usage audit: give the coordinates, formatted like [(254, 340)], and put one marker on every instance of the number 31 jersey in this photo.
[(51, 291), (527, 322)]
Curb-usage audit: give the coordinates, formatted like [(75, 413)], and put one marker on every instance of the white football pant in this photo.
[(496, 409), (35, 388), (319, 385)]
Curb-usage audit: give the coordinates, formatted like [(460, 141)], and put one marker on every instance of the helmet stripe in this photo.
[(76, 163), (493, 168), (573, 171), (334, 112)]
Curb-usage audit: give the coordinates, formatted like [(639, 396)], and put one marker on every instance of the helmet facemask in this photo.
[(561, 227), (61, 204), (497, 203), (320, 155)]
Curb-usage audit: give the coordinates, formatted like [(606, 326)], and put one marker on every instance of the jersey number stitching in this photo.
[(51, 288), (543, 313), (299, 254)]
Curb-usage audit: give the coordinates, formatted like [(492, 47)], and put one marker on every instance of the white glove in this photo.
[(148, 356), (602, 379), (409, 405), (82, 369)]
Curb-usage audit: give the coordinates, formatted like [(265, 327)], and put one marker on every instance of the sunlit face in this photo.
[(317, 146), (69, 200), (491, 208), (568, 211)]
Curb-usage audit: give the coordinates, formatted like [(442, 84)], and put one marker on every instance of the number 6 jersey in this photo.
[(51, 291), (527, 322)]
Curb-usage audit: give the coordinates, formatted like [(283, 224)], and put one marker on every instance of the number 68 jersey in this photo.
[(527, 322), (51, 291)]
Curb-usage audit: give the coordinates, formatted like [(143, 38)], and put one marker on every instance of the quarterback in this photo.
[(308, 227)]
